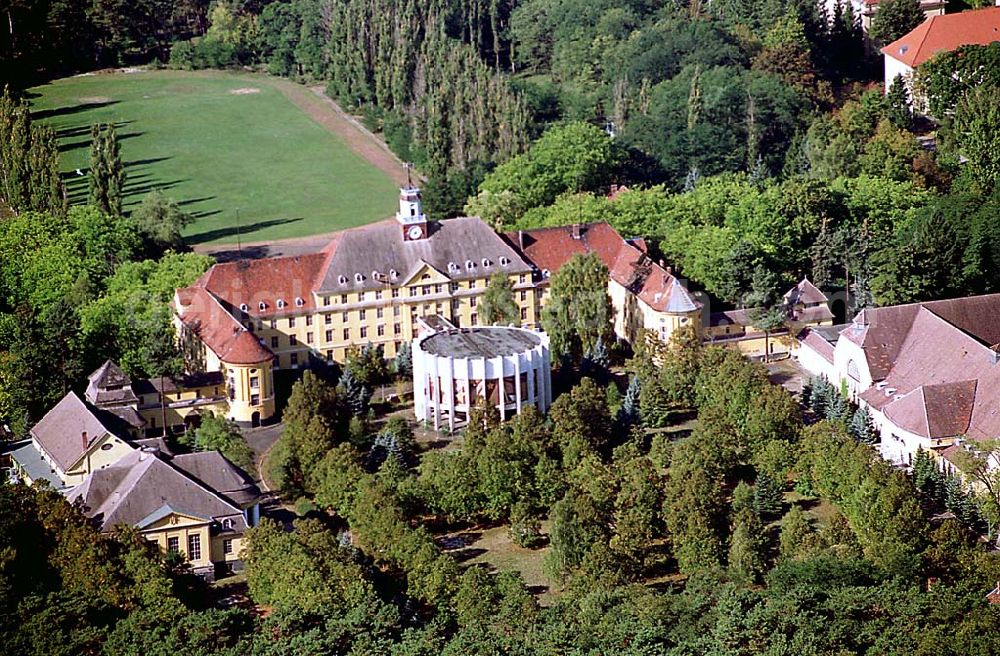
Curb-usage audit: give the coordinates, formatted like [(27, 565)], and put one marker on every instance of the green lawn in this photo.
[(217, 142)]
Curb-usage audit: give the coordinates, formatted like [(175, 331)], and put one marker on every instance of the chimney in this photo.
[(84, 440), (577, 232), (520, 239)]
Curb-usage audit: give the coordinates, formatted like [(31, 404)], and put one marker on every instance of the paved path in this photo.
[(261, 441)]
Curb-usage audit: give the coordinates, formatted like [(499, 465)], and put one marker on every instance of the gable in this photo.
[(167, 518), (425, 274), (105, 450)]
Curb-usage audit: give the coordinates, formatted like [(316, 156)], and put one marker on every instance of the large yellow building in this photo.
[(372, 285)]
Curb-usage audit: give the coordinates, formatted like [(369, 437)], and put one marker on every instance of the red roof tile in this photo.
[(202, 313), (252, 282), (550, 248), (817, 343), (945, 33), (805, 293), (935, 411)]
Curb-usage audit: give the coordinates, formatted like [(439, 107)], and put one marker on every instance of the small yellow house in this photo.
[(804, 306), (173, 503), (71, 441)]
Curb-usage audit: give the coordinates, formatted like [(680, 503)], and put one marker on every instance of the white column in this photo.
[(502, 389), (451, 395), (436, 396), (532, 390), (517, 380)]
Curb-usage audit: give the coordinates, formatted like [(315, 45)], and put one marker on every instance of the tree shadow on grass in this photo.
[(244, 232), (143, 162), (73, 145), (81, 130), (43, 114)]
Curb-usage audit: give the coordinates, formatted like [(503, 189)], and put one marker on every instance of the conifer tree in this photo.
[(114, 170), (355, 394), (29, 162), (862, 428), (898, 109), (926, 477), (747, 547), (628, 413), (98, 196), (767, 496)]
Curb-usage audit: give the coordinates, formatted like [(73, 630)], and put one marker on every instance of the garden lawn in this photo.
[(217, 142)]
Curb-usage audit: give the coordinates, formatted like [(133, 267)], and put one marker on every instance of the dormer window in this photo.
[(486, 263), (470, 265), (504, 261), (262, 306), (452, 266), (281, 303), (358, 277), (299, 302), (243, 307), (393, 274), (545, 273), (227, 524)]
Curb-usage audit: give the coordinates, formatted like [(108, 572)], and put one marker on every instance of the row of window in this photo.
[(378, 294), (379, 314), (194, 546)]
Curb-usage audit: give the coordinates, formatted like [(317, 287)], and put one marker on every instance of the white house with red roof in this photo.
[(928, 372), (645, 295), (939, 33)]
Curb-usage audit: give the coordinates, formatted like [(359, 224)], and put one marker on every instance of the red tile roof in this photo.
[(946, 33), (935, 411), (268, 280), (938, 364), (805, 293), (550, 248), (817, 343), (202, 313)]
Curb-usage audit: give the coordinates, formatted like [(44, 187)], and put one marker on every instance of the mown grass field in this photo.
[(217, 142)]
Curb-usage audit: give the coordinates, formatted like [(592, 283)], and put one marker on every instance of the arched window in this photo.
[(262, 305), (358, 277), (299, 302), (504, 261), (486, 263), (852, 370), (342, 280), (470, 265), (281, 303), (243, 307)]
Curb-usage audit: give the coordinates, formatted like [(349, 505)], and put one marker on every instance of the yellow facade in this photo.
[(186, 533), (386, 318), (251, 392), (105, 451)]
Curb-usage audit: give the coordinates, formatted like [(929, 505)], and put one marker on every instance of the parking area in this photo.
[(788, 374)]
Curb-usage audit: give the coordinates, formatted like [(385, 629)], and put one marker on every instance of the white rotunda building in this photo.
[(454, 368)]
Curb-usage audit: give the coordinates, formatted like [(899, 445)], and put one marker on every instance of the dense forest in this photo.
[(759, 530)]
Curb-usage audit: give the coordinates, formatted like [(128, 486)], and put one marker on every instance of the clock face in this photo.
[(415, 232)]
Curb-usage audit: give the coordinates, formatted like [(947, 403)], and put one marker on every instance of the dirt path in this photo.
[(320, 108)]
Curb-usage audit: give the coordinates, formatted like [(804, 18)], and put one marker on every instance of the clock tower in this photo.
[(411, 216)]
